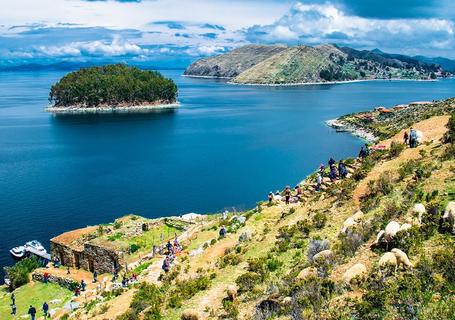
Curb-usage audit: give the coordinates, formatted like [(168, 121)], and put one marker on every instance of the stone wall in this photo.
[(64, 253), (68, 283), (102, 259)]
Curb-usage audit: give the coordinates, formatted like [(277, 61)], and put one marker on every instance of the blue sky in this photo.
[(144, 31)]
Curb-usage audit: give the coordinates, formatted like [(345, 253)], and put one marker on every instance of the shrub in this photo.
[(319, 220), (395, 149), (149, 297), (117, 225), (19, 273), (247, 281), (232, 259), (134, 247), (231, 309), (273, 264), (186, 289)]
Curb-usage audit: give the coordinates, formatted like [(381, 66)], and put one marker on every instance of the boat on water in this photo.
[(36, 245), (18, 252)]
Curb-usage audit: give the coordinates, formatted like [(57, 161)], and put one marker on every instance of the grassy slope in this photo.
[(285, 256), (33, 294)]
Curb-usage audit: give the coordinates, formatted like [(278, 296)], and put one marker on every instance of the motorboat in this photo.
[(18, 252), (36, 245)]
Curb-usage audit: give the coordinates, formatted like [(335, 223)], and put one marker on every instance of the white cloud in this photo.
[(319, 23), (116, 47)]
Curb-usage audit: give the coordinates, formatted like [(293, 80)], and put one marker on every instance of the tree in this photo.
[(112, 85)]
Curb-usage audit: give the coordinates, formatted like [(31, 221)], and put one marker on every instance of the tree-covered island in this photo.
[(109, 88)]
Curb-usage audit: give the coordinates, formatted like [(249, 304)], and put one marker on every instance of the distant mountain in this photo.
[(71, 66), (446, 64), (277, 65), (59, 66)]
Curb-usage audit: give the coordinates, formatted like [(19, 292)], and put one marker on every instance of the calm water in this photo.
[(227, 146)]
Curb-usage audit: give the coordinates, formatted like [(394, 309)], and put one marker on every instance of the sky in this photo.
[(153, 31)]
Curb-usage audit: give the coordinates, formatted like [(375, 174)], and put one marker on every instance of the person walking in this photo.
[(342, 169), (13, 309), (13, 298), (46, 309), (32, 312), (405, 137), (95, 276), (83, 285), (287, 194), (318, 181)]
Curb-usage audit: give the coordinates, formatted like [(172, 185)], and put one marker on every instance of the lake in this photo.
[(226, 147)]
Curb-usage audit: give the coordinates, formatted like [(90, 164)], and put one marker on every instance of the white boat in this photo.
[(34, 244), (18, 252)]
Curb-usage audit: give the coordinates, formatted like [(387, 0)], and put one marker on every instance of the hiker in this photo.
[(298, 190), (331, 162), (321, 169), (68, 270), (222, 232), (77, 291), (32, 312), (13, 309), (166, 264), (363, 153), (333, 173), (413, 138), (83, 285), (169, 247), (287, 194), (45, 309), (95, 276), (405, 137), (318, 181), (270, 197), (342, 170), (13, 298)]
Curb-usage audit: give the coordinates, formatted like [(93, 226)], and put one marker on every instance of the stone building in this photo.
[(81, 249)]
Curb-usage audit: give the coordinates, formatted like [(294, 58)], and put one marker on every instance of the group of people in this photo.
[(335, 171), (31, 310), (172, 249), (286, 194)]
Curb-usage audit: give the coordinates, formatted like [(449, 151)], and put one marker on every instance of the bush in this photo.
[(186, 289), (134, 247), (231, 259), (19, 274), (247, 281), (149, 297), (395, 149), (319, 220)]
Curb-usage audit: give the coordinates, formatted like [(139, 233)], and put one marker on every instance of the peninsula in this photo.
[(112, 88), (281, 65)]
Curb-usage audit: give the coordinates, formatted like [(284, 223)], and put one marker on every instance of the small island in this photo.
[(112, 88)]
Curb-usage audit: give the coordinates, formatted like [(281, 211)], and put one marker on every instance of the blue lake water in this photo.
[(227, 146)]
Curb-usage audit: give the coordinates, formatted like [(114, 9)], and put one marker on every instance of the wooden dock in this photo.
[(39, 254)]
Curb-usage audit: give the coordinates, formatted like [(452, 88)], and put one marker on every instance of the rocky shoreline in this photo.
[(341, 126), (116, 109), (320, 83)]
